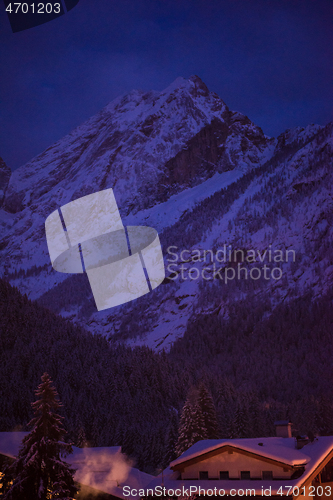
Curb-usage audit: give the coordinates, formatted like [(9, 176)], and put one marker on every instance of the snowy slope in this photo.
[(4, 179), (286, 205)]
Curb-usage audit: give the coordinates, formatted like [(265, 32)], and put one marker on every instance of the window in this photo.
[(245, 474), (224, 474), (203, 474), (267, 474)]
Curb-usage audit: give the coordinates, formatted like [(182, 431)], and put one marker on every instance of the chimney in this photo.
[(283, 428)]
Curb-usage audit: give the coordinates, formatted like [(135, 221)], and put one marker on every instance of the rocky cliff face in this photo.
[(203, 176)]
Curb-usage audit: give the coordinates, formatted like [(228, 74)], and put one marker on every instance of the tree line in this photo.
[(257, 368)]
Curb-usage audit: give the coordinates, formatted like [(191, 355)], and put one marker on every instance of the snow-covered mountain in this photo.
[(4, 179), (204, 177)]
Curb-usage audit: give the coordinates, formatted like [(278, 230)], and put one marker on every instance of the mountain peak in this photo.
[(148, 144), (194, 82), (198, 83)]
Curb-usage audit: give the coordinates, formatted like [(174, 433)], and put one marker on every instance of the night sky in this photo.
[(269, 59)]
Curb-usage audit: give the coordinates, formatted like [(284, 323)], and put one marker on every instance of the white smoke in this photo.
[(101, 469)]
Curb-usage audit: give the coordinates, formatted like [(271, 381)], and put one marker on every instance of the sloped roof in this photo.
[(87, 455), (10, 443), (280, 449)]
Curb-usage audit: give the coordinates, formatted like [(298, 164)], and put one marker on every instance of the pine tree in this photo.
[(171, 440), (191, 425), (207, 407), (81, 441), (39, 473), (239, 425)]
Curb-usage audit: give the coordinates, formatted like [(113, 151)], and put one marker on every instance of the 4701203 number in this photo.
[(311, 491), (40, 8)]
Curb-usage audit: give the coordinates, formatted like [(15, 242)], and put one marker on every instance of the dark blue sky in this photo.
[(270, 59)]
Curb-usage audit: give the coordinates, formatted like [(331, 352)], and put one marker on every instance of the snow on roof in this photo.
[(105, 469), (314, 452), (276, 448), (80, 455)]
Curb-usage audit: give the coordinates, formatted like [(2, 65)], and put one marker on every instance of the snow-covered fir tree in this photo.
[(171, 439), (192, 424), (239, 425), (39, 472), (81, 441), (207, 407)]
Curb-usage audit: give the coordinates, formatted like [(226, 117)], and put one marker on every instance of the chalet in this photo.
[(275, 467), (101, 473)]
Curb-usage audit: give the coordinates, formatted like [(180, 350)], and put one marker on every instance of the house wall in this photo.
[(234, 463)]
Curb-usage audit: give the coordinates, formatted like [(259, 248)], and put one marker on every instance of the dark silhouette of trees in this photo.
[(257, 364), (39, 472)]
